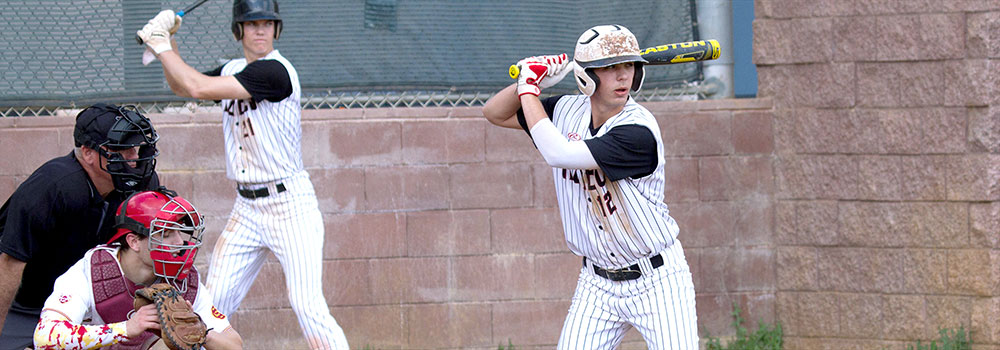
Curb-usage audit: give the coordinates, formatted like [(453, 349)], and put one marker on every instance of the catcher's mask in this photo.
[(603, 46), (253, 10), (128, 131), (173, 227)]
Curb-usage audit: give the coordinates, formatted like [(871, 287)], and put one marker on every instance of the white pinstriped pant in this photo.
[(290, 225), (660, 305)]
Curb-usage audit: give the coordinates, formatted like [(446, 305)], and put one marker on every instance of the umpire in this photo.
[(66, 207)]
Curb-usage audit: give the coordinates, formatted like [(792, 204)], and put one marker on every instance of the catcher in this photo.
[(157, 239)]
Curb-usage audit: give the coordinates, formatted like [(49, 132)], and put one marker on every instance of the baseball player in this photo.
[(607, 163), (276, 208), (157, 239), (67, 206)]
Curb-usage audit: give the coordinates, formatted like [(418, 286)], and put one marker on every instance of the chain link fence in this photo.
[(63, 55)]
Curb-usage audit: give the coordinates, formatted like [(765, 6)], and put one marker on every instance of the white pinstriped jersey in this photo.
[(263, 144), (263, 139), (612, 223)]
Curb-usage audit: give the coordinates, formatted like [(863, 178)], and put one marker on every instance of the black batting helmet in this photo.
[(252, 10)]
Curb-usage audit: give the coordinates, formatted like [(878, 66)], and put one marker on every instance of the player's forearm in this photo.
[(187, 82), (532, 108), (225, 340), (501, 109), (171, 82), (558, 151), (181, 77), (55, 332), (10, 279)]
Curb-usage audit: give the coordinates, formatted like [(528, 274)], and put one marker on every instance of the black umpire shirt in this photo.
[(51, 220)]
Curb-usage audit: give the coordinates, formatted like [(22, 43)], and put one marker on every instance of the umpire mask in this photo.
[(131, 132)]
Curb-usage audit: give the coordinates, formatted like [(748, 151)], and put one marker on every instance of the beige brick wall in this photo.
[(887, 170), (857, 201), (442, 230)]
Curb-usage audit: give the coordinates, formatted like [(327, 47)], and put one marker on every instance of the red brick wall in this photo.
[(887, 171), (442, 230)]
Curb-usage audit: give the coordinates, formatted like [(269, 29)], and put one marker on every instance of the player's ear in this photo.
[(238, 31), (133, 240)]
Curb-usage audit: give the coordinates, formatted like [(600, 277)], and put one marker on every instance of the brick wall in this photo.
[(887, 171), (857, 201), (442, 230)]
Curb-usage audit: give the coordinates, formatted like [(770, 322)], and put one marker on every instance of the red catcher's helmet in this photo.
[(158, 215)]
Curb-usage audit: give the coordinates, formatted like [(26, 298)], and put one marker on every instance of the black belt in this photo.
[(626, 273), (259, 193)]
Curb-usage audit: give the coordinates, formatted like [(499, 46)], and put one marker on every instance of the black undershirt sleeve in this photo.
[(266, 80), (550, 107), (625, 151), (214, 73)]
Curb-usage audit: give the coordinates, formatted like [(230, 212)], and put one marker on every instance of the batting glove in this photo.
[(558, 67), (157, 39), (167, 20), (532, 72)]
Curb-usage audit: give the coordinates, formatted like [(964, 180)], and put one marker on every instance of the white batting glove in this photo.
[(157, 39), (167, 20), (540, 72), (532, 71), (558, 67)]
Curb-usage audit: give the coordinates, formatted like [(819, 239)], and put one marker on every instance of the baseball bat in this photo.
[(181, 13), (688, 51)]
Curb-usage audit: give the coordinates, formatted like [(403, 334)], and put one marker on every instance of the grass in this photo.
[(766, 337), (949, 340), (510, 346)]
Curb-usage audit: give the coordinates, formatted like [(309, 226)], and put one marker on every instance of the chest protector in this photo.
[(114, 295)]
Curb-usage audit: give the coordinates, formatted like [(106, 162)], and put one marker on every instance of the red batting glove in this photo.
[(533, 70)]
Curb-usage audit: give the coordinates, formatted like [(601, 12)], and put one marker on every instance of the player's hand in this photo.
[(157, 39), (167, 20), (144, 319), (559, 65), (540, 72), (532, 72)]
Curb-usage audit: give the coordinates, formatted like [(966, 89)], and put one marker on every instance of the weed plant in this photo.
[(765, 338)]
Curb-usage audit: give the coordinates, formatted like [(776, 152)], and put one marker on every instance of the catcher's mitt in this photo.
[(180, 327)]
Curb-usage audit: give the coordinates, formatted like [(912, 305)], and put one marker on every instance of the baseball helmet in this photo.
[(128, 129), (252, 10), (157, 215), (602, 46)]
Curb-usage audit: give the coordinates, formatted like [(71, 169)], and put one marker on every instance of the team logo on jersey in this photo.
[(64, 299), (573, 136), (238, 107), (217, 314)]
